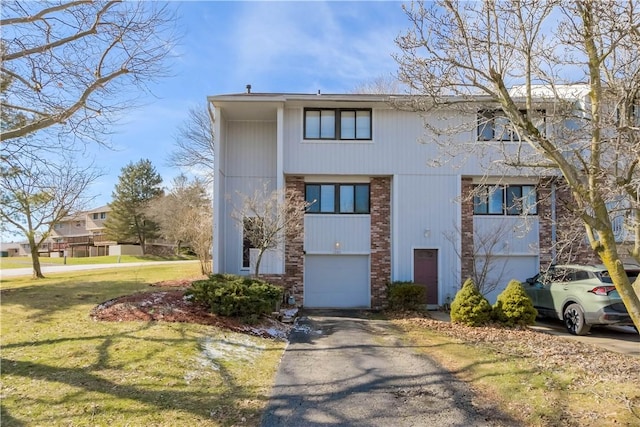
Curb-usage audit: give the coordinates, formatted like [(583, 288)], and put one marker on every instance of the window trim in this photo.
[(337, 190), (505, 210), (486, 119), (337, 134)]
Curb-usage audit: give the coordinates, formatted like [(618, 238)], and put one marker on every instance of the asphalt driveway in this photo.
[(341, 369)]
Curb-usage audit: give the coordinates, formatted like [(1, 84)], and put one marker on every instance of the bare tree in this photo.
[(268, 219), (383, 85), (461, 51), (487, 265), (199, 234), (37, 195), (70, 65), (185, 216), (195, 143)]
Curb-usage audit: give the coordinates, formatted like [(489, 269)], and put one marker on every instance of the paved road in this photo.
[(15, 272), (349, 371)]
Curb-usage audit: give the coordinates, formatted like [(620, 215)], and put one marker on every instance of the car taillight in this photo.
[(602, 290)]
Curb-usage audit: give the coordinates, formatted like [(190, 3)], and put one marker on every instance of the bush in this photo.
[(406, 296), (513, 307), (236, 296), (470, 307)]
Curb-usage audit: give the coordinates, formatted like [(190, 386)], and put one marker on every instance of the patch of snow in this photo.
[(214, 351), (156, 298), (290, 312)]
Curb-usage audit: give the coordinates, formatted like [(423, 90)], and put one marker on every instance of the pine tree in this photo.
[(128, 220)]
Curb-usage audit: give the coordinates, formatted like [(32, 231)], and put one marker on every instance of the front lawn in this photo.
[(60, 367)]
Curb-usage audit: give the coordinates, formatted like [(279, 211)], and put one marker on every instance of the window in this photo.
[(505, 200), (337, 198), (337, 124), (251, 228), (95, 215), (493, 125), (103, 215)]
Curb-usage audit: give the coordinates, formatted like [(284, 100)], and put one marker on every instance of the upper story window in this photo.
[(103, 215), (505, 200), (343, 124), (493, 125), (337, 198), (96, 215)]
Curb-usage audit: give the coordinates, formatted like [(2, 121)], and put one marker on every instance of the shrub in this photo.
[(406, 296), (236, 296), (513, 307), (470, 307)]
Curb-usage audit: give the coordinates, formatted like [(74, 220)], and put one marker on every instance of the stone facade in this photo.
[(466, 229), (293, 279), (570, 244), (380, 240)]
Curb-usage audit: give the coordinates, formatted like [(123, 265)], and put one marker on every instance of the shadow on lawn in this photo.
[(156, 389), (167, 398), (45, 299)]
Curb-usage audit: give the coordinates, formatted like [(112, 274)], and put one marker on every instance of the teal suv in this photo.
[(581, 295)]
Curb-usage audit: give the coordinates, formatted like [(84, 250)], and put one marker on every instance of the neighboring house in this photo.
[(81, 235), (84, 235), (11, 249), (380, 213)]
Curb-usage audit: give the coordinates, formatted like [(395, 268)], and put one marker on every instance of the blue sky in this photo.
[(275, 46)]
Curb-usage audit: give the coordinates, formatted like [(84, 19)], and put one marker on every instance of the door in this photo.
[(425, 272), (336, 281)]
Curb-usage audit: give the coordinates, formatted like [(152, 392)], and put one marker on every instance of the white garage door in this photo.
[(504, 269), (336, 281)]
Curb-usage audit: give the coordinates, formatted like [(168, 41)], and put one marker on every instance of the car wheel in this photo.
[(574, 320)]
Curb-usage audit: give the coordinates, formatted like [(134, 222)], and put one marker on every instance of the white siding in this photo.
[(507, 268), (251, 149), (249, 162), (512, 235), (401, 144), (426, 210), (346, 234)]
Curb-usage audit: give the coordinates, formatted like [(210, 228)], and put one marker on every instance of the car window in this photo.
[(580, 275), (560, 275), (632, 275), (605, 277)]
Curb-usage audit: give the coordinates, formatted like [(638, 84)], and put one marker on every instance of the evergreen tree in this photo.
[(129, 221)]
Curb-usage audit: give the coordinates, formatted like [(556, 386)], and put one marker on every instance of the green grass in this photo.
[(25, 262), (59, 367), (532, 395)]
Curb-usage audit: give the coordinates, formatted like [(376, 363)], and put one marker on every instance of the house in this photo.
[(81, 234), (382, 208)]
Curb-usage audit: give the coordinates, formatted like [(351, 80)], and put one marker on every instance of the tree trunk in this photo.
[(35, 259), (611, 260), (257, 270)]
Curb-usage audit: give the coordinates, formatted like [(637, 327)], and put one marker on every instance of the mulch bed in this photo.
[(169, 304)]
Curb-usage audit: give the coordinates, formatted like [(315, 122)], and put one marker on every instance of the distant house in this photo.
[(81, 235), (11, 249), (379, 213)]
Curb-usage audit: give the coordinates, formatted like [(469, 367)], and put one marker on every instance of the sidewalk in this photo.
[(442, 316), (16, 272)]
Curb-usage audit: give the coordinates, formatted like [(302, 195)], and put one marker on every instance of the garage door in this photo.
[(336, 281), (508, 268)]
